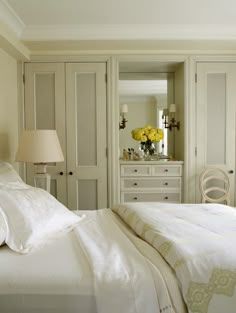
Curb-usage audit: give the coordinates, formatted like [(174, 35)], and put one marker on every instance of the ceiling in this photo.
[(79, 12), (47, 20)]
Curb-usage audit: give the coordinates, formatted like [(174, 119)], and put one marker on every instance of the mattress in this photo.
[(58, 277)]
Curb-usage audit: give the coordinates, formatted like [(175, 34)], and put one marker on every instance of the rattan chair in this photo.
[(214, 185)]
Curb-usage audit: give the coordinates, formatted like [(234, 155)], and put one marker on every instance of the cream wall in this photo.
[(8, 108)]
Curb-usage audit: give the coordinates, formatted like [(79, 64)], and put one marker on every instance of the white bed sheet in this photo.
[(58, 277)]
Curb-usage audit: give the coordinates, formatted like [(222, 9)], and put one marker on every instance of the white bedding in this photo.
[(60, 276), (56, 278), (198, 242)]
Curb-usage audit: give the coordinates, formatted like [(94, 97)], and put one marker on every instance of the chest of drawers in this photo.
[(150, 181)]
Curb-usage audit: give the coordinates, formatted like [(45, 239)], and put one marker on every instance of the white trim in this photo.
[(93, 57), (129, 31), (21, 110), (190, 132), (11, 19), (37, 54), (113, 132)]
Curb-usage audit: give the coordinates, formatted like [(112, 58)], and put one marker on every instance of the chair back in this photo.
[(214, 185)]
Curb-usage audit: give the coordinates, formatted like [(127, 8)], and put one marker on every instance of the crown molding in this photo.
[(129, 31), (168, 32), (11, 44), (9, 17)]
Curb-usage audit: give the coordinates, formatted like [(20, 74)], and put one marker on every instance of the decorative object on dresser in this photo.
[(40, 147), (123, 111), (147, 135), (157, 181), (169, 117)]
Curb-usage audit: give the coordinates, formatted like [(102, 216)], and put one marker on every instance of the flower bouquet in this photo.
[(147, 135)]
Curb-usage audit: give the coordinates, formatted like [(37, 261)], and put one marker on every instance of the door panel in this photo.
[(45, 109), (86, 135), (215, 127)]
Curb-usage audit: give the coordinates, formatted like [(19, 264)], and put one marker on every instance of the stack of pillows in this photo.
[(29, 217)]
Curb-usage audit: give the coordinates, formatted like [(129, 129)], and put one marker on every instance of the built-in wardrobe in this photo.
[(215, 119), (71, 98), (81, 99)]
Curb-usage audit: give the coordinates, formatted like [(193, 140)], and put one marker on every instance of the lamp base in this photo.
[(43, 181)]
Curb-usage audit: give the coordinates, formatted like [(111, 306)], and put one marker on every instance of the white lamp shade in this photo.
[(124, 108), (39, 146), (172, 108)]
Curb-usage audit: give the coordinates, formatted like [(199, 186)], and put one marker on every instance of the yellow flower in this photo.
[(152, 136), (144, 138), (147, 133)]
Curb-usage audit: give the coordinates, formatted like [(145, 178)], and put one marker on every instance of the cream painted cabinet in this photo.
[(71, 98), (215, 131), (150, 181)]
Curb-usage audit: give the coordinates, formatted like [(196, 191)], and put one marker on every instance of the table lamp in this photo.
[(40, 147)]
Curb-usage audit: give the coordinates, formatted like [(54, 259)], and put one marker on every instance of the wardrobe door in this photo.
[(45, 109), (215, 127), (86, 135)]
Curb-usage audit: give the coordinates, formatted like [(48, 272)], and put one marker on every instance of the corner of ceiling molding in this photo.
[(12, 44), (9, 17)]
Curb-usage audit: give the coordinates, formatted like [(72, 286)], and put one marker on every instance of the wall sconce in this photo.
[(123, 111), (169, 117)]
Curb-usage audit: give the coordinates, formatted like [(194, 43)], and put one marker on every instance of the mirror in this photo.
[(147, 95)]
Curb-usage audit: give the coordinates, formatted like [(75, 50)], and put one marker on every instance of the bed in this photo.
[(133, 258)]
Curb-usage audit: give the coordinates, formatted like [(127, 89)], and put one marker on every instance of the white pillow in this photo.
[(8, 174), (3, 232), (32, 216)]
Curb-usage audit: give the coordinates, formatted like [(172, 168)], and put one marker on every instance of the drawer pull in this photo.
[(135, 184), (166, 198), (166, 170), (166, 184), (135, 170), (135, 198)]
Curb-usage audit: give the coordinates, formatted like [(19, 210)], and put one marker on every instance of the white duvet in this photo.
[(101, 266), (198, 242), (124, 280)]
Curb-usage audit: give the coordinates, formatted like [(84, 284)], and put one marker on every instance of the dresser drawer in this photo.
[(150, 197), (132, 170), (167, 170), (151, 183)]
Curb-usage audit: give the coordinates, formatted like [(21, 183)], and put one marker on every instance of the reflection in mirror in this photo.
[(147, 95)]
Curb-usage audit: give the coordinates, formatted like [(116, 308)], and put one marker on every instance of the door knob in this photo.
[(70, 173), (61, 173), (231, 172)]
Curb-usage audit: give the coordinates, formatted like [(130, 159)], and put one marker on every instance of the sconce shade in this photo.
[(124, 108), (172, 108), (39, 146)]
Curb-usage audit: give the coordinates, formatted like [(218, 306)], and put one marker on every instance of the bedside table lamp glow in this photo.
[(40, 147)]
